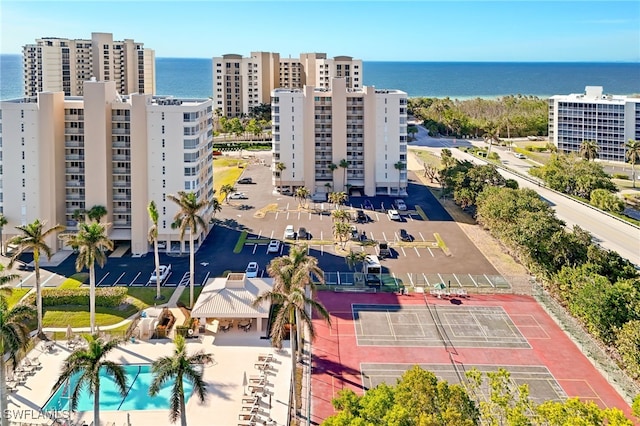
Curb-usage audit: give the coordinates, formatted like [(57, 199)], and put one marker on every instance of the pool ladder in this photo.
[(130, 386)]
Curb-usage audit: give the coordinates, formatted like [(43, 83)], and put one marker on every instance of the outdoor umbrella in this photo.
[(440, 286)]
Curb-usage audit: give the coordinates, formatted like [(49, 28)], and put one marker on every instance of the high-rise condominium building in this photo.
[(63, 65), (608, 120), (241, 83), (62, 155), (340, 139)]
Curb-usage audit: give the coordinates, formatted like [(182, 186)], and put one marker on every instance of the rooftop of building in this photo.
[(595, 94)]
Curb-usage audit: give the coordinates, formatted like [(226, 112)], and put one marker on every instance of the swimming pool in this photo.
[(139, 378)]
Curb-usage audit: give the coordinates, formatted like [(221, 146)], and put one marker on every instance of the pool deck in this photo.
[(234, 353)]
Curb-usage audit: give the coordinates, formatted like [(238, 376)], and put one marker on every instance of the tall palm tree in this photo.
[(344, 164), (79, 215), (97, 212), (92, 241), (153, 239), (332, 168), (292, 313), (337, 198), (34, 238), (342, 230), (340, 215), (491, 135), (14, 337), (632, 155), (227, 189), (3, 222), (216, 207), (399, 166), (180, 366), (354, 257), (188, 216), (589, 150), (302, 194), (87, 362), (280, 167)]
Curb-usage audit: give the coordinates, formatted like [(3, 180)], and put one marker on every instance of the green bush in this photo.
[(106, 297), (529, 148), (620, 176), (494, 156)]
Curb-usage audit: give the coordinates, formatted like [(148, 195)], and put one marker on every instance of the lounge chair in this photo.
[(31, 364)]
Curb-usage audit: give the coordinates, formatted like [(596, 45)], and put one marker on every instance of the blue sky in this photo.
[(370, 30)]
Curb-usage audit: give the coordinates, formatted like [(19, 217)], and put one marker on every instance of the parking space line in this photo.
[(271, 237), (321, 239), (277, 215), (403, 252), (135, 278), (298, 215), (417, 252), (259, 234), (441, 279), (287, 214), (372, 235), (119, 278), (384, 237), (474, 281), (103, 278), (430, 252), (309, 215), (255, 246), (410, 280), (206, 277), (426, 280), (48, 279), (287, 207), (456, 277), (421, 236), (377, 217), (488, 280), (321, 249)]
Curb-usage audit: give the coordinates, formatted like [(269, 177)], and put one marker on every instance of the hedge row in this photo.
[(109, 297)]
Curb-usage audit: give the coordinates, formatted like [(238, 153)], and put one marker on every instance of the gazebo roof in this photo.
[(232, 297)]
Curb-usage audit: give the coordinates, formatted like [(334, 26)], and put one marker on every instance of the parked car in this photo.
[(25, 266), (245, 180), (217, 153), (289, 232), (164, 270), (368, 205), (361, 217), (394, 215), (383, 250), (303, 234), (274, 246), (355, 235), (238, 196), (404, 235), (252, 270), (400, 205)]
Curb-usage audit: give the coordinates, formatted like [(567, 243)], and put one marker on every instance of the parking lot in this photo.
[(264, 215)]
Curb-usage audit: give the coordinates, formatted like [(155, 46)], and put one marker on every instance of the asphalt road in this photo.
[(609, 232)]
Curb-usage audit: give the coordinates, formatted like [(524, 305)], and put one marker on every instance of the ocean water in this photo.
[(192, 77)]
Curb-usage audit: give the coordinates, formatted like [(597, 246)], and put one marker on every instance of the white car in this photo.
[(274, 246), (400, 205), (252, 270), (164, 271), (520, 156), (289, 232), (238, 196), (393, 214)]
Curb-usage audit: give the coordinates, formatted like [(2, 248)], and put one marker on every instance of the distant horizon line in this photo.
[(620, 61)]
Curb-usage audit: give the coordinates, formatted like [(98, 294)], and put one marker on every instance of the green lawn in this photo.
[(16, 295), (427, 157), (184, 297), (78, 316), (225, 172)]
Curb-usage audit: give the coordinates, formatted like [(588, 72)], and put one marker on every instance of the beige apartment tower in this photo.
[(63, 65), (315, 130), (241, 83), (62, 155)]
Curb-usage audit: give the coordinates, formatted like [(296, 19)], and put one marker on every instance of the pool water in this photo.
[(139, 378)]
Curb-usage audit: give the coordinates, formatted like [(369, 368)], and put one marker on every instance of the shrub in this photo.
[(494, 156), (604, 200), (529, 148), (109, 297)]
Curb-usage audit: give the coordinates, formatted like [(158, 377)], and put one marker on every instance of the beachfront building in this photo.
[(609, 120), (241, 83), (54, 64), (62, 155), (315, 128)]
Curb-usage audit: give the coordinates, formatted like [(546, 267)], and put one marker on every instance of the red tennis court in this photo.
[(375, 337)]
